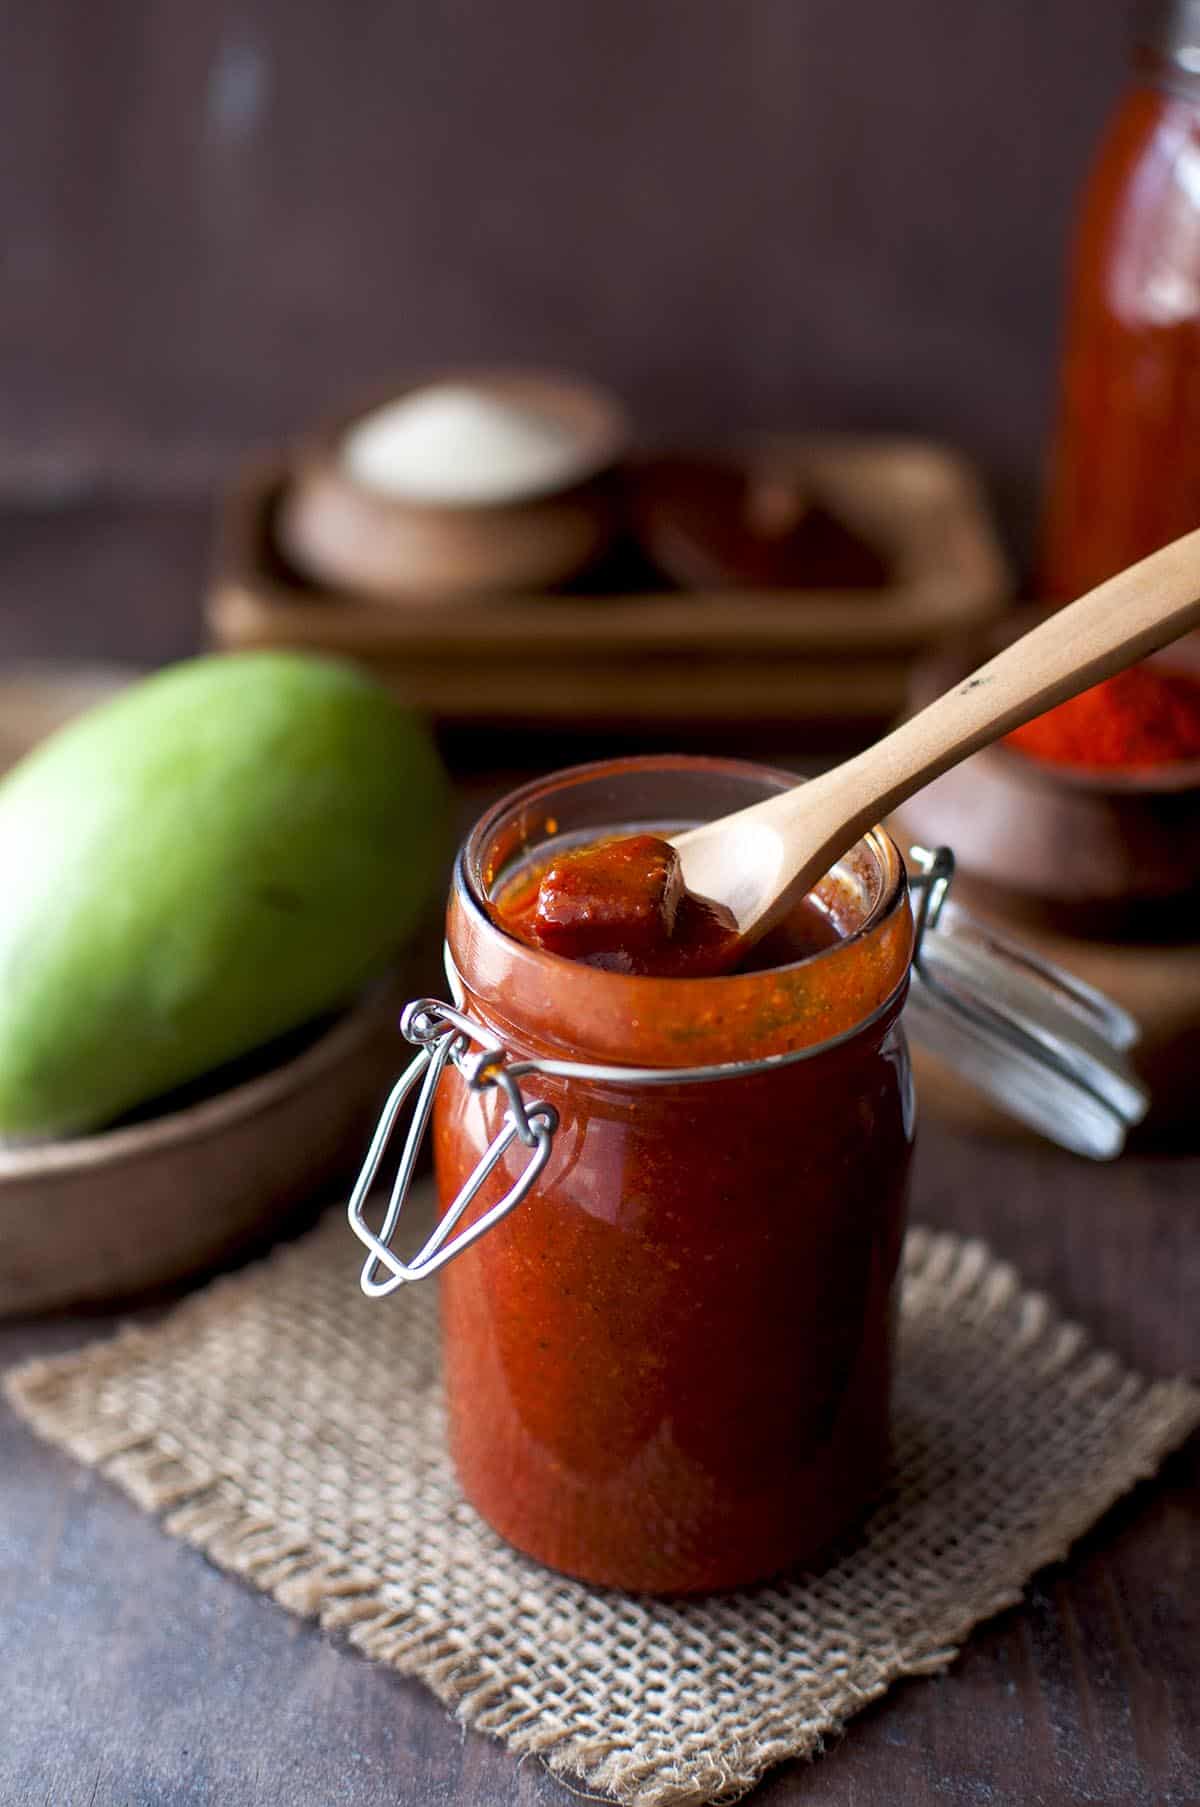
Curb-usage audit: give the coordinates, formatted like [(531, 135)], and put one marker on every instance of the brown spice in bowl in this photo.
[(714, 522), (1146, 716)]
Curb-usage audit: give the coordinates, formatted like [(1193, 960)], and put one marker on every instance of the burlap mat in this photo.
[(293, 1431)]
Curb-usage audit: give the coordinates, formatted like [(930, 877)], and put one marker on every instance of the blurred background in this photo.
[(220, 222), (800, 297)]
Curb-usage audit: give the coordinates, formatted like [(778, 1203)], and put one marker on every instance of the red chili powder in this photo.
[(1143, 716)]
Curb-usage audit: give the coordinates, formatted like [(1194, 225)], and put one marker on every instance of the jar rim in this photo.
[(892, 890), (614, 1073), (517, 978)]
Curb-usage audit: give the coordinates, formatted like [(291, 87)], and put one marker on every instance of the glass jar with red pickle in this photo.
[(673, 1207), (670, 1368)]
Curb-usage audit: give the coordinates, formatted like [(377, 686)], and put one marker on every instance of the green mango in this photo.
[(217, 855)]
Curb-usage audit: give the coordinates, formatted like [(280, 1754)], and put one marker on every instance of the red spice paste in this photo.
[(621, 904), (669, 1368), (1142, 717)]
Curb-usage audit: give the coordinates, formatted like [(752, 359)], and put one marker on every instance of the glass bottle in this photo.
[(1125, 466)]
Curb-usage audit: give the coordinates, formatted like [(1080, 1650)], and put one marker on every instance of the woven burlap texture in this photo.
[(293, 1431)]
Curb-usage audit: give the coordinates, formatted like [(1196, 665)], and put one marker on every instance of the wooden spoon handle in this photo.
[(1112, 626)]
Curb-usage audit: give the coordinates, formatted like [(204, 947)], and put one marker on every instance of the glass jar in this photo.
[(673, 1209), (1125, 474)]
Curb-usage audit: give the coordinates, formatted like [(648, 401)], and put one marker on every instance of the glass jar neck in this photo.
[(559, 1007)]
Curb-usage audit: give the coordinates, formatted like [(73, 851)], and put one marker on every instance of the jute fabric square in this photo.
[(293, 1431)]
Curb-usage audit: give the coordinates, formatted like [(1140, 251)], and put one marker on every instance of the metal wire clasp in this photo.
[(1050, 1049), (930, 876), (444, 1035)]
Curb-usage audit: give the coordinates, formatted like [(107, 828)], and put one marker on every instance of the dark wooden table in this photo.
[(131, 1672)]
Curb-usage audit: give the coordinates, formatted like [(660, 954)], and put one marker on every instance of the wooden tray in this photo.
[(622, 657)]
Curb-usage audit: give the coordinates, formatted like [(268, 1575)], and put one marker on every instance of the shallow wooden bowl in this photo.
[(136, 1208), (356, 540), (142, 1205), (1105, 854)]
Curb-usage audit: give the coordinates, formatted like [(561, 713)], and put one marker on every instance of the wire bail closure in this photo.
[(444, 1037), (1049, 1049), (929, 884)]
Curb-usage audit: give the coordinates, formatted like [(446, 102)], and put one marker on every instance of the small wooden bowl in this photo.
[(144, 1204), (1094, 853), (749, 519), (356, 540)]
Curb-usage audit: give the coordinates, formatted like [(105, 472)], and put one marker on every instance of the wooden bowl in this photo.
[(1109, 854), (136, 1208), (144, 1204), (749, 519), (354, 539)]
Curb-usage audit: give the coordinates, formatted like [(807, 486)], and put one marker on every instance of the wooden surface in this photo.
[(134, 1675)]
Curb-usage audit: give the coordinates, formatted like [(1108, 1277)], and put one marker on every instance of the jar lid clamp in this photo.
[(444, 1036), (1046, 1048)]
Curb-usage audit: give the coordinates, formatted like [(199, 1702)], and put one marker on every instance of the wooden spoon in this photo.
[(762, 860)]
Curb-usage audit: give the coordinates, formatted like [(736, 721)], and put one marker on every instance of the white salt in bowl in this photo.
[(466, 484)]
